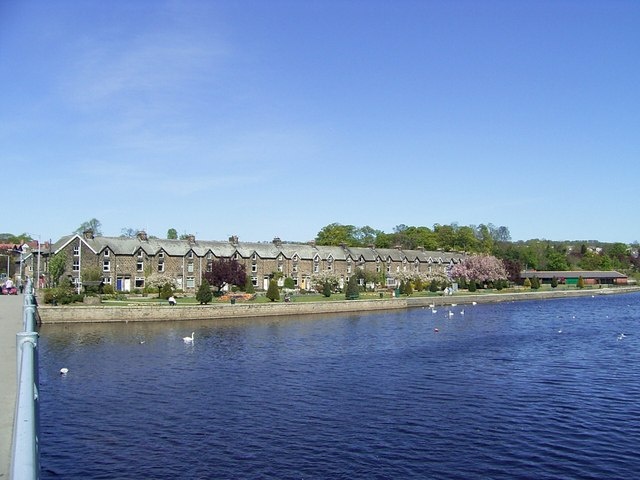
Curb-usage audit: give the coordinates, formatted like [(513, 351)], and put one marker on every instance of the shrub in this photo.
[(352, 291), (326, 289), (248, 286), (289, 283), (433, 286), (527, 283), (273, 293), (204, 294), (166, 291), (472, 286), (580, 282), (554, 282)]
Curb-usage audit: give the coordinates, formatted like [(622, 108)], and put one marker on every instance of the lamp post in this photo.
[(37, 282), (8, 260)]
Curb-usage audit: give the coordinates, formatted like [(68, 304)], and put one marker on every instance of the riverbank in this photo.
[(144, 313)]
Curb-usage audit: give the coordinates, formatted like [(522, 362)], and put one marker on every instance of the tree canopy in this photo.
[(226, 271)]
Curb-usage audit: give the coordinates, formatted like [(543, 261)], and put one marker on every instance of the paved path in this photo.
[(10, 324)]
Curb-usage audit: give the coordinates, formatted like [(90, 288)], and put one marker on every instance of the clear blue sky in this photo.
[(276, 118)]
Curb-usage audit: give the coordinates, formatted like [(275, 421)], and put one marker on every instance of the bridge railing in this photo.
[(25, 458)]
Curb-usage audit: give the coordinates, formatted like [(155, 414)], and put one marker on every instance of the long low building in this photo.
[(127, 262), (572, 277)]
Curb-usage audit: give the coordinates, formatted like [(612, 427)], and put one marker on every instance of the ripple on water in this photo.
[(498, 393)]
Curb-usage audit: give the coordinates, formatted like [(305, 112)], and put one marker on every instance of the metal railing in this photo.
[(25, 456)]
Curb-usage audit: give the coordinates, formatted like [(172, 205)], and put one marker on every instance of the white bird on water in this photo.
[(189, 339), (64, 371)]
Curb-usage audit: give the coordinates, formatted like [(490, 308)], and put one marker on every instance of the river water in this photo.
[(528, 390)]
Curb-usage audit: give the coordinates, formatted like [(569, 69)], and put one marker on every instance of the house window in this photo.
[(388, 268), (160, 265), (349, 267), (76, 265), (106, 253), (139, 282), (295, 282), (316, 267), (139, 266), (254, 281), (76, 251), (254, 256), (106, 265), (191, 282), (106, 280), (140, 254), (190, 254), (280, 268), (294, 268), (190, 267), (295, 257), (254, 267)]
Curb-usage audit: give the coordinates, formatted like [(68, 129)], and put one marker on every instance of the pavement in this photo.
[(11, 307)]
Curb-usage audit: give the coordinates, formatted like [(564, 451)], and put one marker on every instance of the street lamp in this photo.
[(37, 282), (8, 260)]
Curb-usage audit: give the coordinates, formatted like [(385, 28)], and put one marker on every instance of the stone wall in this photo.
[(142, 313)]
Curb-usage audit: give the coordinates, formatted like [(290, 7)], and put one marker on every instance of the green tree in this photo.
[(337, 234), (172, 234), (408, 288), (554, 282), (57, 266), (535, 283), (204, 294), (166, 291), (248, 286), (352, 291), (433, 286), (289, 283), (557, 261), (94, 225), (326, 289), (273, 293)]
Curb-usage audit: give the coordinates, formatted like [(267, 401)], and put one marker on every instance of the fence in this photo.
[(25, 460)]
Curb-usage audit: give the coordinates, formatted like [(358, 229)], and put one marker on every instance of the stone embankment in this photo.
[(157, 312)]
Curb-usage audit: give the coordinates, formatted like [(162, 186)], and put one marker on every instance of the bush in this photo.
[(273, 293), (107, 289), (554, 282), (289, 283), (248, 286), (326, 289), (352, 291), (433, 286), (166, 291), (204, 294), (472, 286)]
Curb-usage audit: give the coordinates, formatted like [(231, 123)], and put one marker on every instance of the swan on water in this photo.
[(64, 371), (189, 339)]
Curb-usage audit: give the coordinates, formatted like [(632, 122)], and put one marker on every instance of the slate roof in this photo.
[(264, 250), (571, 274)]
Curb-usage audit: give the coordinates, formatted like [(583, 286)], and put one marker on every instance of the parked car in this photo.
[(9, 290)]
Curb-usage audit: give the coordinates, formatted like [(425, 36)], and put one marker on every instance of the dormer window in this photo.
[(106, 253)]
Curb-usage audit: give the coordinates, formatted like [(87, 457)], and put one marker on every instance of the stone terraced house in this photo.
[(126, 262)]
